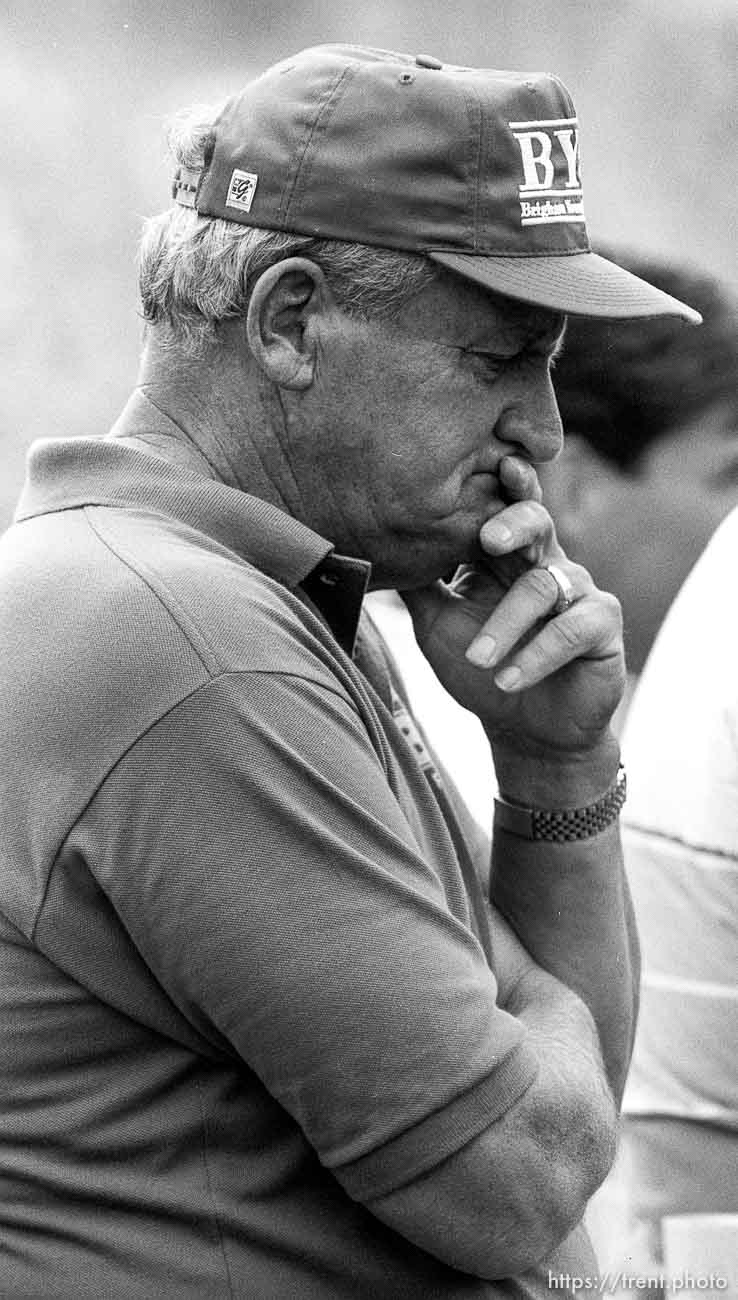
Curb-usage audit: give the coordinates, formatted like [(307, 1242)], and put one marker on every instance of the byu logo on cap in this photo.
[(241, 190), (552, 189)]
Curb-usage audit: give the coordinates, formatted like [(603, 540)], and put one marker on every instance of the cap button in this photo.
[(428, 61)]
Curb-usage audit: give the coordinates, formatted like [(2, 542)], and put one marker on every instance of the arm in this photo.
[(570, 904), (269, 879), (552, 748), (504, 1202)]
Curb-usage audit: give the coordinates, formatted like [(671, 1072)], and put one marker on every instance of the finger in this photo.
[(590, 629), (524, 526), (531, 598), (519, 479)]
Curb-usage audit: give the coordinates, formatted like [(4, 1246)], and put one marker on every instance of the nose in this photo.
[(530, 422)]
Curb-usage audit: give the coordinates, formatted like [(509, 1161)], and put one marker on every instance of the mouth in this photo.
[(497, 496)]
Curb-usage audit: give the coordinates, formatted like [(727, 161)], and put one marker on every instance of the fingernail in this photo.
[(508, 679), (496, 533), (481, 652)]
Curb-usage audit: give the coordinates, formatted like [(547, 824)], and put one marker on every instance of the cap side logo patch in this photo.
[(551, 190), (241, 190)]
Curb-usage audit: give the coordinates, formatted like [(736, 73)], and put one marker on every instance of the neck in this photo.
[(209, 416)]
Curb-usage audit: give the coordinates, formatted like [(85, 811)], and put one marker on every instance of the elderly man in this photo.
[(263, 1036)]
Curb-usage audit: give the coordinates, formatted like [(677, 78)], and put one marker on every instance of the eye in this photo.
[(490, 363)]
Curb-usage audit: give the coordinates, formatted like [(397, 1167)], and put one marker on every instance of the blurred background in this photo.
[(85, 89)]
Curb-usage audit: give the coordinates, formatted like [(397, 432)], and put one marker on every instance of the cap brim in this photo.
[(581, 284)]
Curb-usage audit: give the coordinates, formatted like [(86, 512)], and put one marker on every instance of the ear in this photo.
[(284, 311)]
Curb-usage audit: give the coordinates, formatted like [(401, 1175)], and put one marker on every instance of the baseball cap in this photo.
[(477, 169)]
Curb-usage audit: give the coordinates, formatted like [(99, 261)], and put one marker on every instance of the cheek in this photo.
[(412, 435), (425, 468), (418, 486)]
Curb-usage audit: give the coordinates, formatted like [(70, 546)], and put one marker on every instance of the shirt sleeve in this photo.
[(253, 847)]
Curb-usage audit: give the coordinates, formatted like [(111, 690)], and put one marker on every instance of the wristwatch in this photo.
[(561, 824)]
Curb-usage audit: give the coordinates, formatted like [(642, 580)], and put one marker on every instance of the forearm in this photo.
[(513, 1194), (544, 679), (569, 903)]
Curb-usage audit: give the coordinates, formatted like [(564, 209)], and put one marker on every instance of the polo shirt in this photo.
[(244, 982)]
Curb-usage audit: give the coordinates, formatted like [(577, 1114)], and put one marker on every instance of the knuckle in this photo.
[(536, 658), (571, 629), (613, 607), (580, 577), (536, 516), (607, 611), (543, 585), (589, 623), (528, 518)]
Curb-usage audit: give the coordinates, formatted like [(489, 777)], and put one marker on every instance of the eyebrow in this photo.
[(544, 335), (541, 338)]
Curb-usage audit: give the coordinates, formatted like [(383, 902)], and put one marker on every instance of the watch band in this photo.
[(561, 824)]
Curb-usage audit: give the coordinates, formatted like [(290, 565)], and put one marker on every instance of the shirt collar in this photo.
[(67, 474)]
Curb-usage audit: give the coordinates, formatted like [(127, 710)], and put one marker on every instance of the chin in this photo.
[(404, 561), (421, 570)]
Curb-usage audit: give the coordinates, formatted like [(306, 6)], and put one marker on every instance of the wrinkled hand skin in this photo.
[(573, 669)]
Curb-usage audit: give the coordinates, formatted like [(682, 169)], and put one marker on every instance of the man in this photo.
[(648, 470), (260, 1042), (649, 412), (680, 1140)]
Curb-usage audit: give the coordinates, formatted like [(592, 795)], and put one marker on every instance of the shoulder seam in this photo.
[(104, 777), (212, 681), (157, 586)]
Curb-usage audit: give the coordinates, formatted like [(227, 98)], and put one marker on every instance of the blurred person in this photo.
[(679, 1143), (263, 1036), (649, 466), (648, 470)]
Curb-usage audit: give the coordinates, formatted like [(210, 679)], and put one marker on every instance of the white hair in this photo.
[(197, 271)]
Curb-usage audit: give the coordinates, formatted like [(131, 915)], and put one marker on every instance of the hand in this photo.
[(542, 684)]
